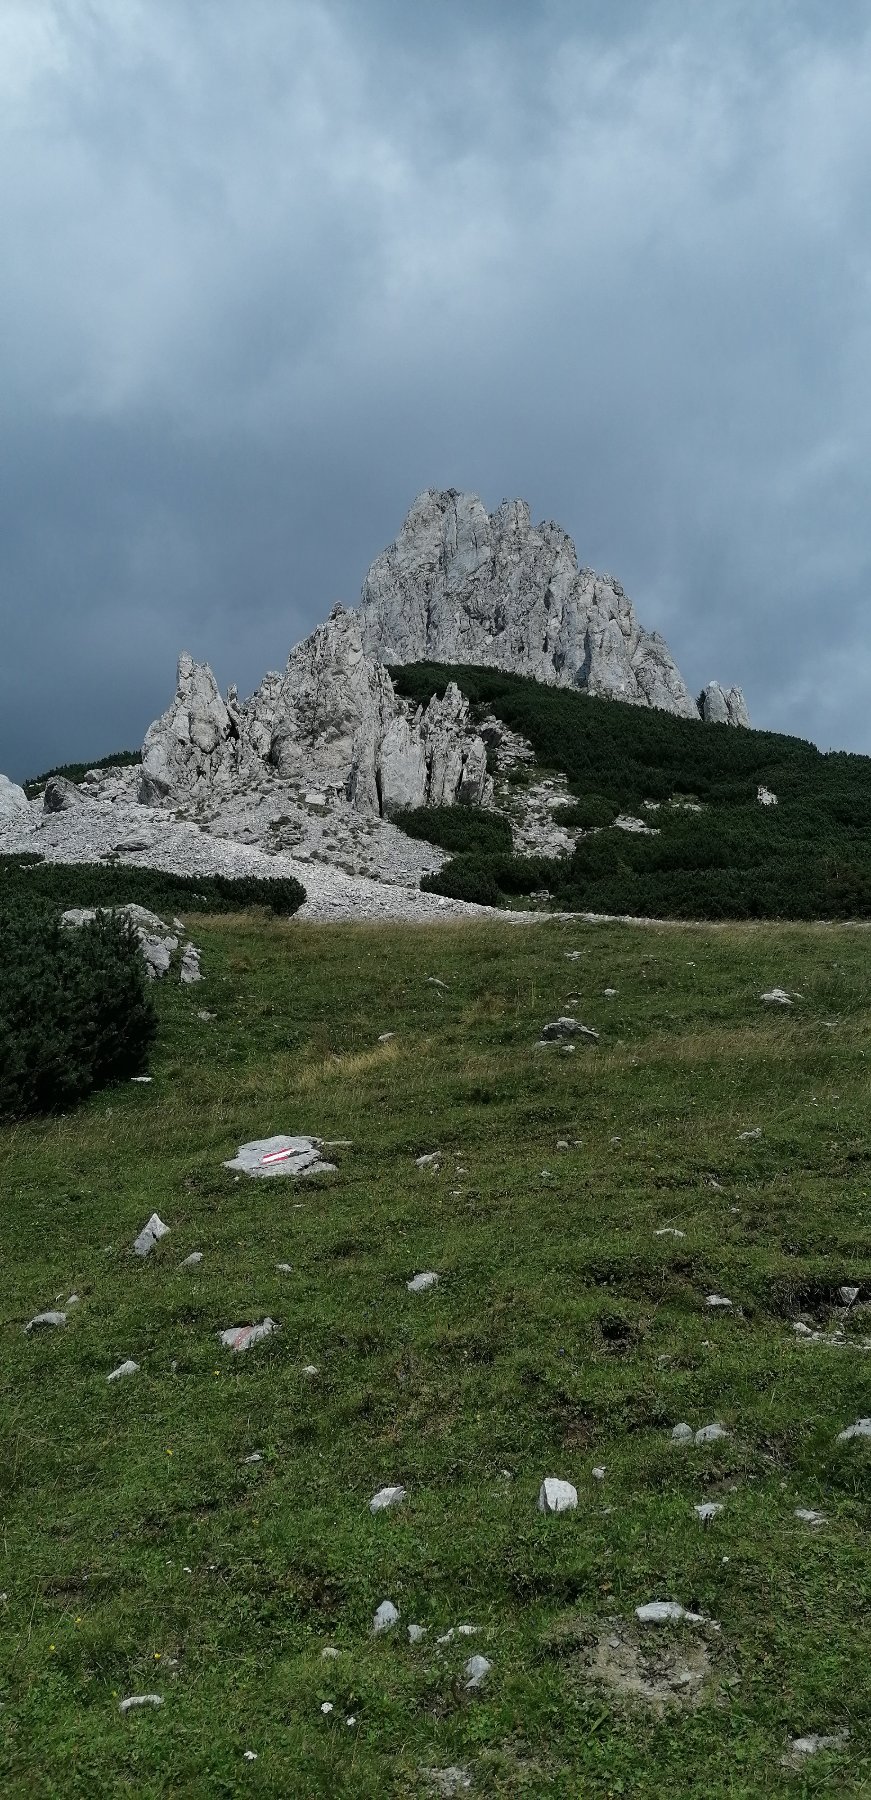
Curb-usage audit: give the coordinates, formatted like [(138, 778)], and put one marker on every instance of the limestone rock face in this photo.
[(331, 712), (189, 752), (723, 706), (461, 585), (61, 794), (13, 800)]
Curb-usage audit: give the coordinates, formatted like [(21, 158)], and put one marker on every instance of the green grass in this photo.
[(139, 1551)]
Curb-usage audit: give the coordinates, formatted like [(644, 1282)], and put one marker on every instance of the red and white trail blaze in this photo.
[(276, 1156)]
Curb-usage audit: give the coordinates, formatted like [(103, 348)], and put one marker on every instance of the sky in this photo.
[(271, 267)]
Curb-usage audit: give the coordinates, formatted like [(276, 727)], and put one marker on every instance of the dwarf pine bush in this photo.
[(75, 1012)]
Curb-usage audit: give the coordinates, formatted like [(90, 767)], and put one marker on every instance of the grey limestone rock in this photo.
[(281, 1156), (61, 794), (13, 800), (188, 753), (723, 706), (564, 1027), (152, 1231), (461, 585)]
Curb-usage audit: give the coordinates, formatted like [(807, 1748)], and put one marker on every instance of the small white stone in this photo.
[(310, 1370), (124, 1368), (682, 1434), (46, 1318), (666, 1612), (669, 1231), (777, 997), (386, 1497), (284, 1268), (810, 1745), (809, 1517), (745, 1136), (193, 1261), (707, 1511), (416, 1633), (715, 1300), (476, 1671), (385, 1617), (255, 1457), (431, 1160), (861, 1429), (556, 1496), (152, 1231), (847, 1294), (139, 1700), (326, 1706), (329, 1653), (419, 1283), (386, 1036), (708, 1434), (142, 1078), (73, 1300), (250, 1755), (600, 1472)]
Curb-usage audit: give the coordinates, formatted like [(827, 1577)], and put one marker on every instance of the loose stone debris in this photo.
[(718, 1300), (190, 970), (745, 1136), (565, 1027), (386, 1037), (420, 1283), (600, 1472), (649, 1667), (861, 1429), (707, 1511), (456, 1631), (152, 1231), (329, 1653), (848, 1295), (241, 1337), (429, 1161), (310, 1370), (555, 1496), (249, 1755), (141, 1078), (476, 1671), (809, 1517), (779, 997), (125, 1368), (281, 1156), (255, 1457), (682, 1434), (133, 1700), (284, 1268), (206, 1016), (669, 1231), (416, 1633), (46, 1318), (707, 1434), (385, 1618), (193, 1261), (387, 1497), (448, 1782)]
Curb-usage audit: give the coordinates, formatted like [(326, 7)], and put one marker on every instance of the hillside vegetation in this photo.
[(144, 1551), (807, 857)]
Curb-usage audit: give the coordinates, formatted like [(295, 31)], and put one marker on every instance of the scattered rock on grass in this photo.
[(848, 1295), (669, 1231), (416, 1633), (281, 1156), (565, 1027), (861, 1429), (745, 1136), (429, 1161), (329, 1653), (715, 1300), (386, 1037), (667, 1612), (193, 1261), (190, 970), (682, 1434), (809, 1517), (476, 1671), (125, 1368), (556, 1496), (385, 1618), (419, 1283), (387, 1497), (814, 1742), (255, 1457), (779, 997), (241, 1337), (707, 1510), (708, 1434), (134, 1700), (152, 1231), (46, 1318), (600, 1472)]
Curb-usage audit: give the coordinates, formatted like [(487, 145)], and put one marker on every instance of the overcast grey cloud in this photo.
[(270, 267)]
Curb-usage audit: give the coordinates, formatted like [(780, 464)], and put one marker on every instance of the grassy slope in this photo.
[(563, 1334)]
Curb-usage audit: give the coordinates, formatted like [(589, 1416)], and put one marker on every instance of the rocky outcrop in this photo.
[(461, 585), (723, 706), (331, 723), (60, 794), (13, 800)]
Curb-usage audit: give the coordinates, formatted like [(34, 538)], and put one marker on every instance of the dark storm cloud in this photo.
[(271, 268)]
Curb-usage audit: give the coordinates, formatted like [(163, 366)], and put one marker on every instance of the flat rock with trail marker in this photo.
[(281, 1156), (241, 1337)]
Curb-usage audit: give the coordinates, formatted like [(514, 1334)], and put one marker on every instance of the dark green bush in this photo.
[(75, 1011), (97, 884), (120, 759), (468, 830), (465, 879), (588, 810)]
